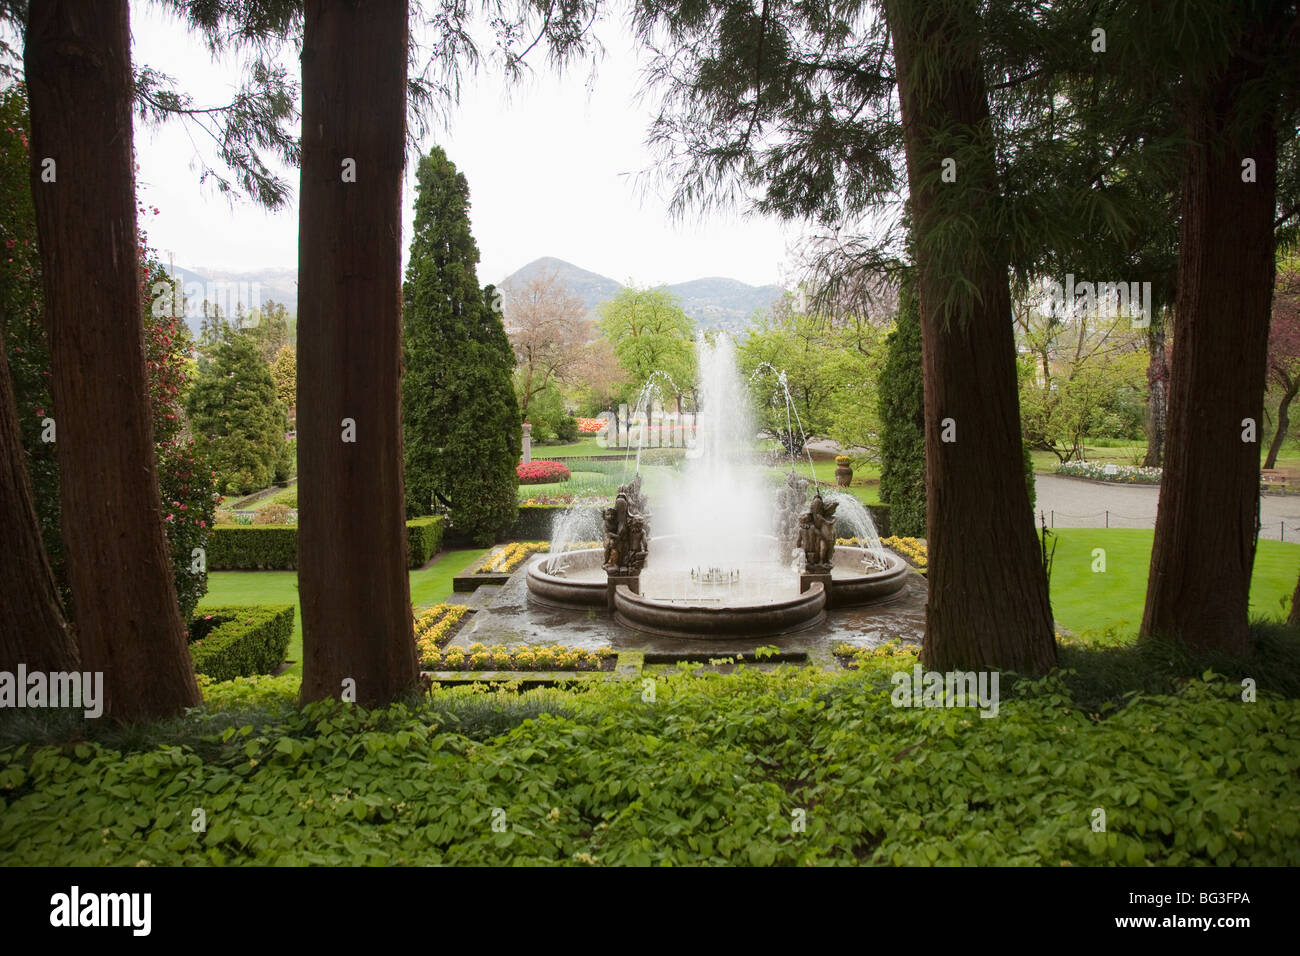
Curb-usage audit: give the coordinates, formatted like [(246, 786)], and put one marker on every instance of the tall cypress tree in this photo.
[(902, 421), (460, 416)]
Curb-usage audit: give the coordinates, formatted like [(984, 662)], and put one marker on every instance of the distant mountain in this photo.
[(592, 288), (714, 303), (232, 289)]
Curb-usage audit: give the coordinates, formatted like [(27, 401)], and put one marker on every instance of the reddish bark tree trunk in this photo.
[(1157, 396), (988, 601), (352, 574), (1283, 420), (1198, 588), (1294, 617), (78, 64), (33, 630)]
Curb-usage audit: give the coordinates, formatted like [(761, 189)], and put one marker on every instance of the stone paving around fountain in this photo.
[(505, 615)]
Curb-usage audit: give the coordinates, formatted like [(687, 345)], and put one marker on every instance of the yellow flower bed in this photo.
[(506, 559), (433, 627), (910, 548), (503, 657)]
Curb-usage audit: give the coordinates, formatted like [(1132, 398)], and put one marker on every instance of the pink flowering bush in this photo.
[(541, 472)]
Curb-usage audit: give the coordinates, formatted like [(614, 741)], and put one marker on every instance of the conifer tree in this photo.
[(237, 417), (461, 422), (902, 422)]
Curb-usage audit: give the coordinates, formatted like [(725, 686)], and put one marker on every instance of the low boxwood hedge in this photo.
[(423, 539), (253, 548), (534, 522), (240, 640), (275, 547)]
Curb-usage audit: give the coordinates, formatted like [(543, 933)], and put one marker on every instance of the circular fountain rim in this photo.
[(722, 622)]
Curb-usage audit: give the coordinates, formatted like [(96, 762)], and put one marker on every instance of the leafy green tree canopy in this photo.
[(650, 333)]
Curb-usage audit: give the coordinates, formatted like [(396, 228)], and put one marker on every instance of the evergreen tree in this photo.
[(237, 418), (284, 370), (461, 421), (902, 422)]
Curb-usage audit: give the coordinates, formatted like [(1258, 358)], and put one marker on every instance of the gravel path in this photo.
[(1078, 503)]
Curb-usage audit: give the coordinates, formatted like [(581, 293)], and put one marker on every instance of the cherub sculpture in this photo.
[(817, 535)]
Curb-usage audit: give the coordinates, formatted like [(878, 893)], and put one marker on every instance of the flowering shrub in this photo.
[(590, 426), (511, 556), (185, 479), (502, 657), (435, 627), (541, 472), (1098, 471)]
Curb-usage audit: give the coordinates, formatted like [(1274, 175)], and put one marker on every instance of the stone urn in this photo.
[(843, 471)]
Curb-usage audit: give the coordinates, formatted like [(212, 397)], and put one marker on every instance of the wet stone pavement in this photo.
[(505, 615)]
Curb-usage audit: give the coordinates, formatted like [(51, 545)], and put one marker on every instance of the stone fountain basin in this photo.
[(678, 619), (853, 585), (583, 585)]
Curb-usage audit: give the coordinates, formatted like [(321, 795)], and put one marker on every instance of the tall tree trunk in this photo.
[(982, 612), (78, 64), (1199, 585), (352, 573), (1283, 421), (1157, 393), (1294, 617), (33, 630)]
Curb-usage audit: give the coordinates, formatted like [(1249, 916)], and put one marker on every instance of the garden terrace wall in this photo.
[(275, 547), (240, 641)]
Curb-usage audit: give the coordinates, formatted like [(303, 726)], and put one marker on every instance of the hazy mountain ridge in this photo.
[(714, 302), (230, 289)]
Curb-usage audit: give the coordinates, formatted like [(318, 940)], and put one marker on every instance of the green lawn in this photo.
[(1120, 452), (866, 479), (1092, 603), (582, 448), (579, 483), (429, 585)]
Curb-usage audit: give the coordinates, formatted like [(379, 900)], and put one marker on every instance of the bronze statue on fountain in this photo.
[(627, 534), (817, 535)]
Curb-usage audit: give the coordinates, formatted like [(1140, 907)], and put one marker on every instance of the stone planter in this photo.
[(843, 475)]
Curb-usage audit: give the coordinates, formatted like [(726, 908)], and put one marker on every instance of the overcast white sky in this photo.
[(552, 169)]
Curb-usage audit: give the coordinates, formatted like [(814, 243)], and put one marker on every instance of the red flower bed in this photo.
[(541, 472), (589, 426)]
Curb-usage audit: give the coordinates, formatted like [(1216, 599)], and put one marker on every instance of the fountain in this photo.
[(731, 556)]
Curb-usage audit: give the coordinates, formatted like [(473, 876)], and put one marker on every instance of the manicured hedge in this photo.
[(240, 641), (423, 538), (534, 522), (275, 547), (253, 548)]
